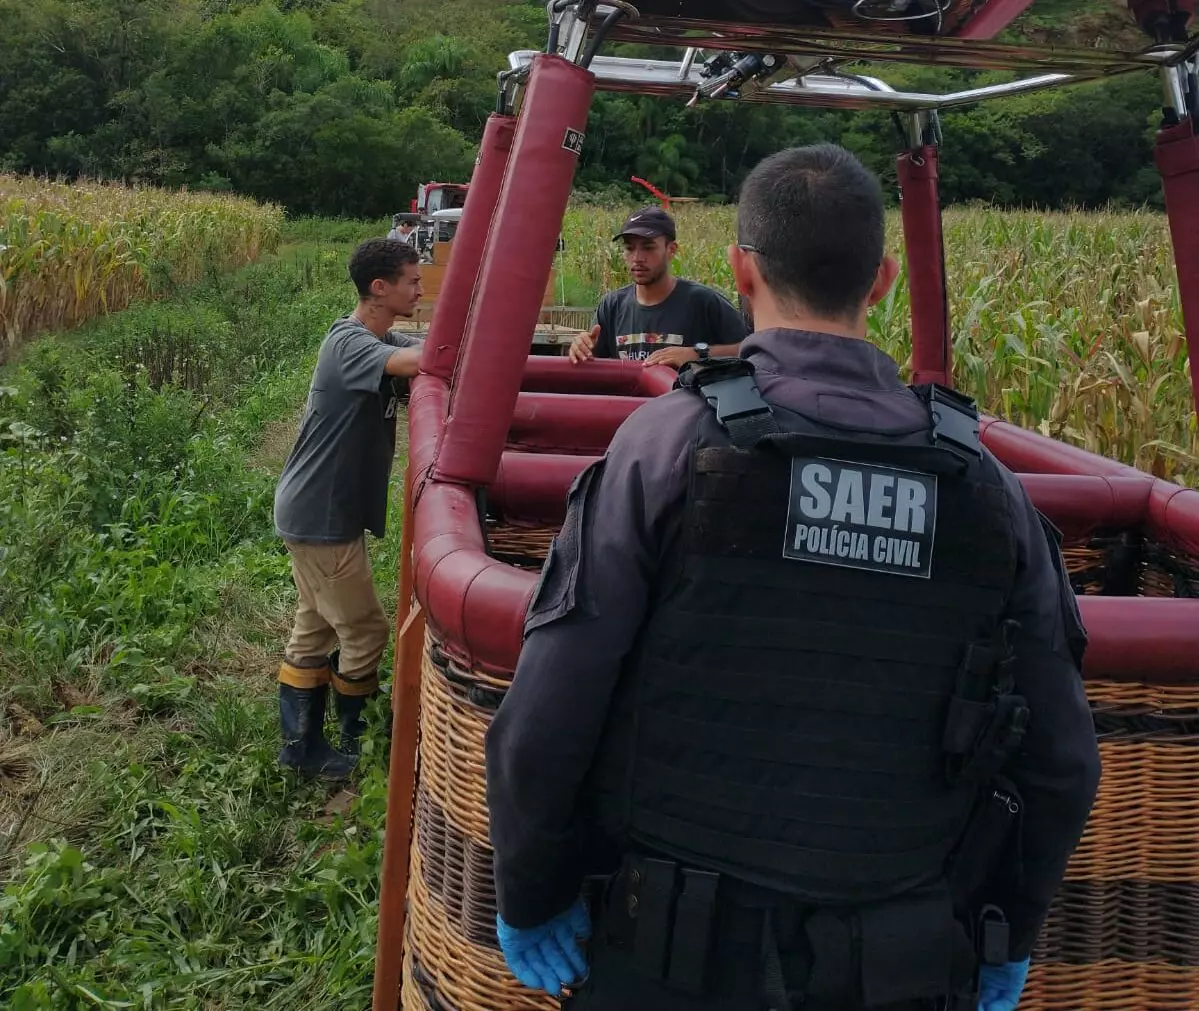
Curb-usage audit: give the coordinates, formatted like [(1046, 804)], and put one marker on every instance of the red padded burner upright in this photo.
[(444, 340), (925, 252), (517, 259)]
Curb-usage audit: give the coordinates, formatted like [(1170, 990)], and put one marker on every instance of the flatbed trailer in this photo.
[(498, 433), (556, 328)]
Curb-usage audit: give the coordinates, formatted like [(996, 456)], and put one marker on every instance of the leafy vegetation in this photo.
[(1068, 323), (341, 107), (68, 253), (154, 854)]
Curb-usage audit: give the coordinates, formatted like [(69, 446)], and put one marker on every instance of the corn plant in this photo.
[(1067, 323), (72, 252)]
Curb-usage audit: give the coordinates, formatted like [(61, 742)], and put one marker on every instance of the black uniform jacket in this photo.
[(585, 618)]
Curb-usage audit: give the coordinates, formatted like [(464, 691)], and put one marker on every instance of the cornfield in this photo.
[(72, 252), (1067, 323)]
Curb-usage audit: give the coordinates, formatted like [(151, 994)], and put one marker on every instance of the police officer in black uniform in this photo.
[(798, 720)]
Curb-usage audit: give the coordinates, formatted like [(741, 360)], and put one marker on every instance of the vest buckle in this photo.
[(727, 384), (734, 398), (954, 417)]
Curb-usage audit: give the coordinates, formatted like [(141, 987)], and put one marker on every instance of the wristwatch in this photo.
[(702, 350)]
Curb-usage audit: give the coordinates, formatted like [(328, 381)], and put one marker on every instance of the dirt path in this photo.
[(276, 442)]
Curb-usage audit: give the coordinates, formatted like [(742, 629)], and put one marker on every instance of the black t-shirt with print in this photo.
[(690, 314)]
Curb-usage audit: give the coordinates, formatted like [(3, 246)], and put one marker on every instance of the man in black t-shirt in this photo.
[(659, 319)]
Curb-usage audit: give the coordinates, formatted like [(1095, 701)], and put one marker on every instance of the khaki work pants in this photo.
[(338, 606)]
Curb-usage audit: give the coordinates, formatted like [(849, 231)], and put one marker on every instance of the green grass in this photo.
[(153, 854), (326, 231)]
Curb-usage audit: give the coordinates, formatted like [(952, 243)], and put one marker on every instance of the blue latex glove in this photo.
[(1000, 986), (547, 957)]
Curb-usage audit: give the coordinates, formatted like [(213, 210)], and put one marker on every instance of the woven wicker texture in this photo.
[(457, 873), (1111, 986), (1087, 566), (1165, 573), (452, 725), (1123, 932), (1118, 563), (418, 989), (1129, 697), (1135, 921), (1144, 826), (461, 975), (411, 997), (1121, 565), (523, 547), (455, 963)]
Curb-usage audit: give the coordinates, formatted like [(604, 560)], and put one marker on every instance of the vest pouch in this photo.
[(904, 949), (914, 947), (1074, 631), (556, 594), (990, 846), (832, 972)]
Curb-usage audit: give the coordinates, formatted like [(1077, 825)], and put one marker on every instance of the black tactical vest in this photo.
[(821, 687)]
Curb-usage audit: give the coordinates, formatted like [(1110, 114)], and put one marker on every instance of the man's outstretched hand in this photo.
[(674, 357), (583, 346), (548, 957)]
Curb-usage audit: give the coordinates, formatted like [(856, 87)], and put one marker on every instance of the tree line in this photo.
[(341, 107)]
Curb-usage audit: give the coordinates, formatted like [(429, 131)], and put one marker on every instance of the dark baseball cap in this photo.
[(649, 223)]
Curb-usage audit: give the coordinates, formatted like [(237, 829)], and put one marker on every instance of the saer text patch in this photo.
[(861, 516)]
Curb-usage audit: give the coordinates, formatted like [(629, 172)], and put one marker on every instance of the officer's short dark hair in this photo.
[(814, 216), (379, 258)]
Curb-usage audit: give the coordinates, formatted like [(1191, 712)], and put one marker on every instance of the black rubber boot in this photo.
[(302, 720), (349, 710), (349, 718)]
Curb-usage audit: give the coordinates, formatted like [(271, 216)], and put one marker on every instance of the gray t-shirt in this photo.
[(691, 313), (334, 484)]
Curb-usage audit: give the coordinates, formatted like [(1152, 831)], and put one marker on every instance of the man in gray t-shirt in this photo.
[(332, 490)]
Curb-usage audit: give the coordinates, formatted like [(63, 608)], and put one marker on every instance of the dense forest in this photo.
[(340, 107)]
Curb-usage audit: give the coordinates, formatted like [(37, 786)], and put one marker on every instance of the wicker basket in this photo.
[(522, 546), (1123, 932), (454, 959), (1125, 565)]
